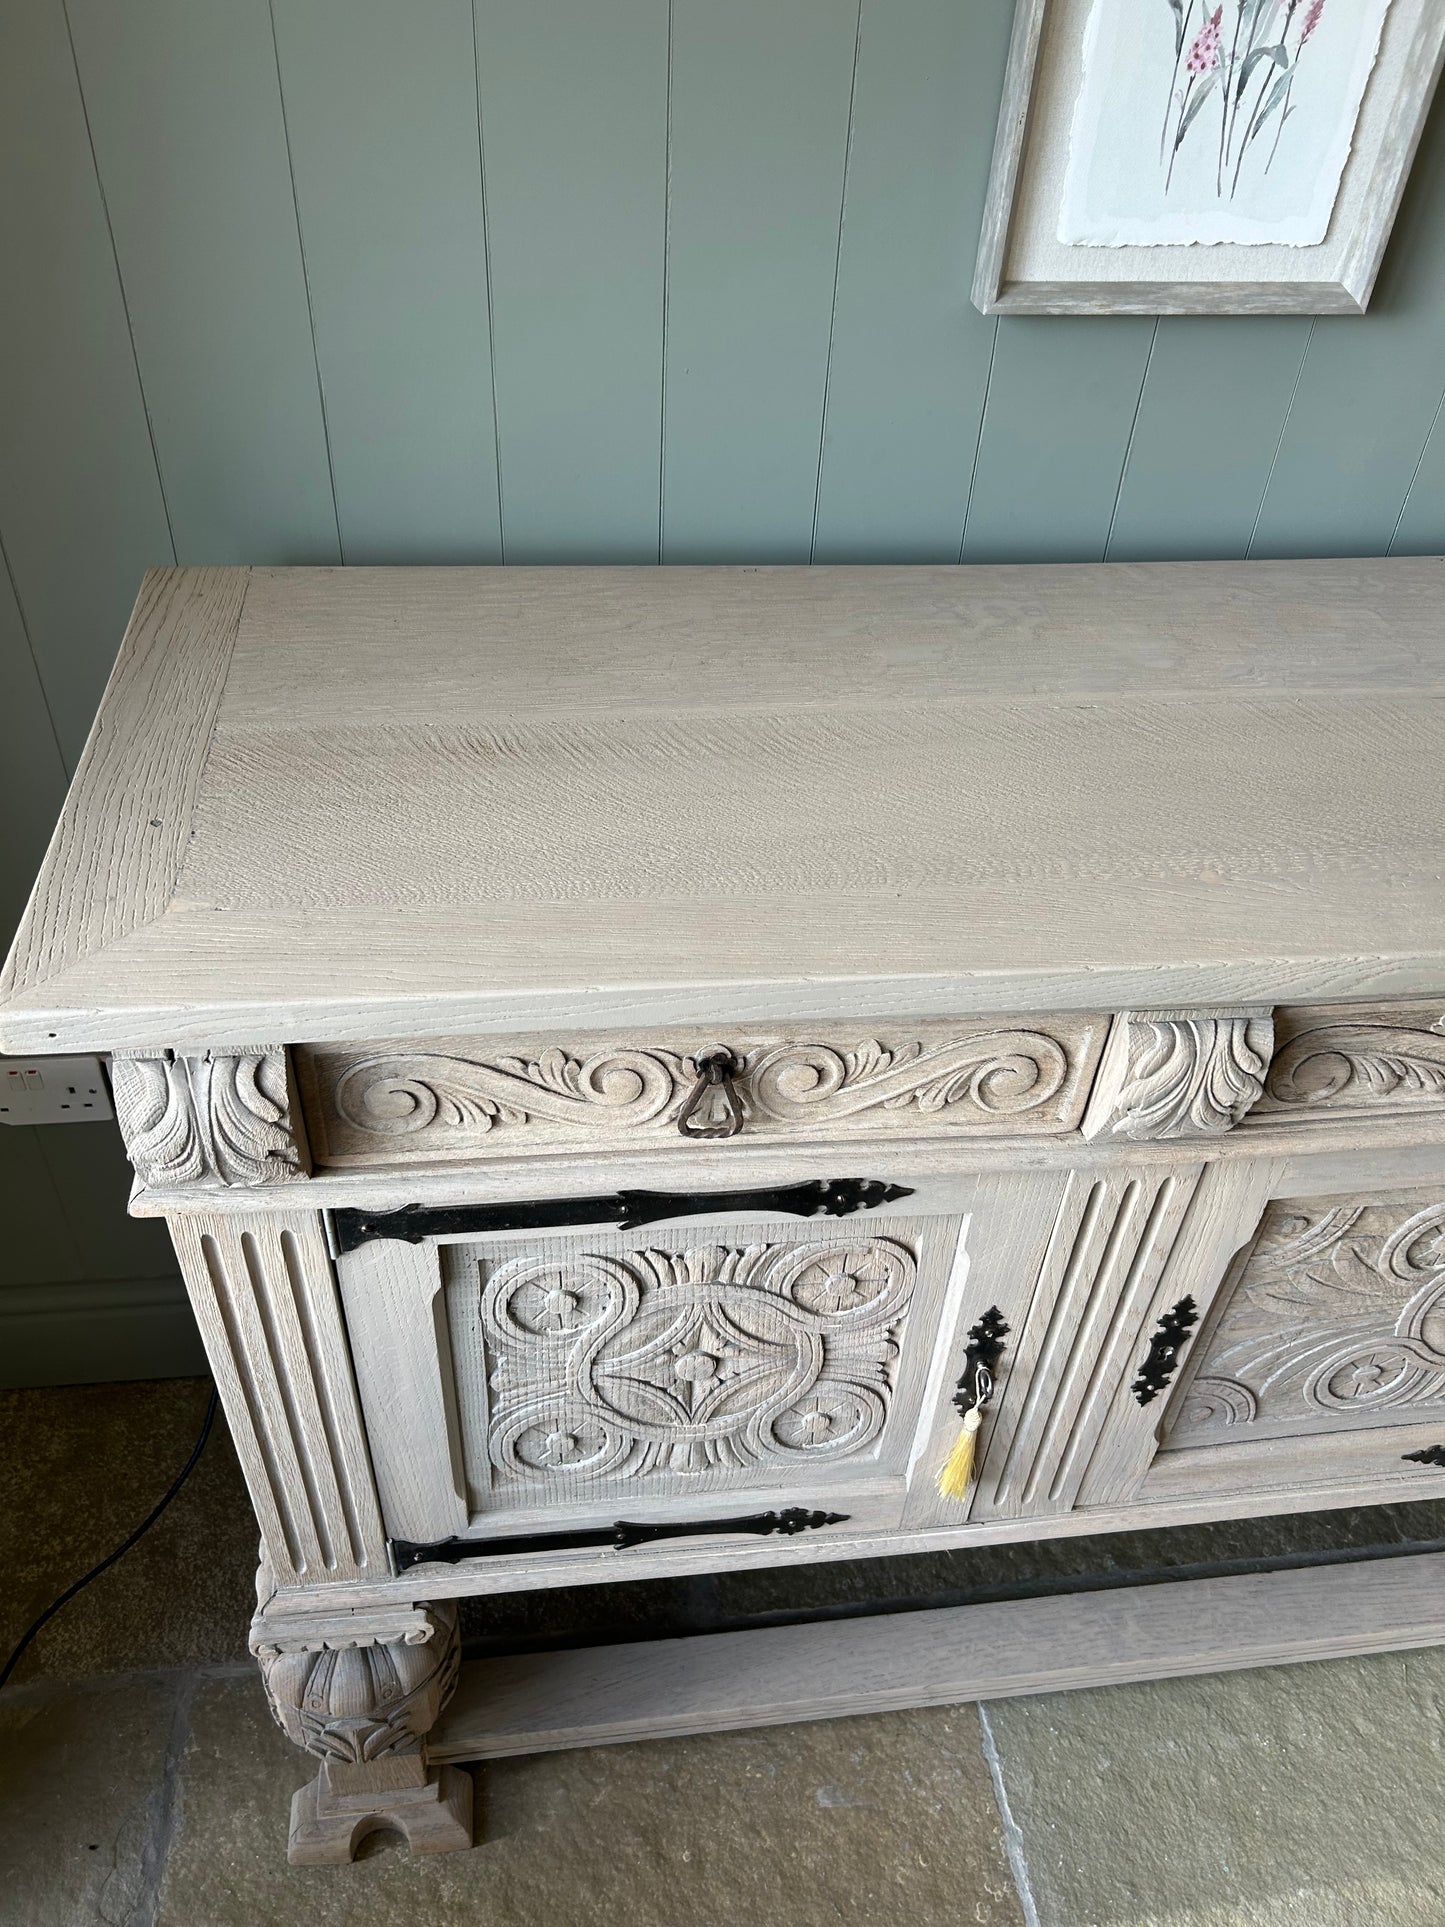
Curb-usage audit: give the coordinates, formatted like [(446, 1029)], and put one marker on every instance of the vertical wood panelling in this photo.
[(472, 279), (32, 776), (1209, 421), (910, 352), (1421, 528), (80, 503), (1367, 392), (39, 1248), (760, 107), (1060, 410), (185, 111), (381, 112), (92, 1177), (574, 125)]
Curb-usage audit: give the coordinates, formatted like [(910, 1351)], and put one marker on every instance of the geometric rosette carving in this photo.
[(605, 1368)]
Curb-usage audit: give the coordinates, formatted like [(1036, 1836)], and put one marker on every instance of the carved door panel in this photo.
[(1320, 1360), (676, 1369)]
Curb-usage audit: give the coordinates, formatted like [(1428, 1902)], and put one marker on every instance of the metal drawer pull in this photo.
[(818, 1198), (971, 1394), (1432, 1455), (625, 1533), (712, 1108), (1171, 1335)]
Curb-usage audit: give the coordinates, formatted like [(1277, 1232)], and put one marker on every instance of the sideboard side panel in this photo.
[(264, 1295)]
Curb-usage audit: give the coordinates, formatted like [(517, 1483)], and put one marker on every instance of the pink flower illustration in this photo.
[(1203, 56), (1312, 20)]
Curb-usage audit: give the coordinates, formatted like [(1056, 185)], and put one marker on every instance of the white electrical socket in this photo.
[(52, 1090)]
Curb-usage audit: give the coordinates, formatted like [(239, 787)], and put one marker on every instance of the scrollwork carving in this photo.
[(1173, 1076), (710, 1360), (432, 1102), (225, 1117), (395, 1096), (998, 1075), (1334, 1313), (1357, 1065)]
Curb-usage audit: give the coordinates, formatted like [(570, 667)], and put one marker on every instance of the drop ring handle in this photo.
[(712, 1108)]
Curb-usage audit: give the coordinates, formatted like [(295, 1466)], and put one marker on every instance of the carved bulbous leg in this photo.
[(363, 1704)]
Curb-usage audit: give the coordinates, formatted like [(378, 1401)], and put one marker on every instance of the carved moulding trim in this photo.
[(1335, 1313), (1358, 1065), (1004, 1078), (275, 1631), (1179, 1074), (221, 1118)]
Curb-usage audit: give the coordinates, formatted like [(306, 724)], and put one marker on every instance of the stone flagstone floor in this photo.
[(142, 1783)]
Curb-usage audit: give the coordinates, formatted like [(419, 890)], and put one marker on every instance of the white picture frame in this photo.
[(1051, 104)]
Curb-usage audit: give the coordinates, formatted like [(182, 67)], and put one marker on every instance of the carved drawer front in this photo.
[(1333, 1318), (512, 1097), (1355, 1061)]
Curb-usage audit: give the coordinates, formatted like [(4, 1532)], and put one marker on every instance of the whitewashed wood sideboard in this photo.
[(619, 1051)]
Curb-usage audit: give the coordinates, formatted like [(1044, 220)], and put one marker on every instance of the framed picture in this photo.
[(1203, 156)]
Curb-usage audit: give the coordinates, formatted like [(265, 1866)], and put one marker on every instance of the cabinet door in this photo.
[(691, 1368), (1318, 1359), (516, 1384)]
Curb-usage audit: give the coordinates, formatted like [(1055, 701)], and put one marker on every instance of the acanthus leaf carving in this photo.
[(220, 1118), (1168, 1075), (353, 1705)]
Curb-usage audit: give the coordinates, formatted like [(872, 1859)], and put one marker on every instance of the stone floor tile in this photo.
[(80, 1467), (1305, 1796), (843, 1824), (81, 1804)]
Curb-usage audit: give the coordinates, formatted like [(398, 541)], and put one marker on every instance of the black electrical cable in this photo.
[(145, 1525)]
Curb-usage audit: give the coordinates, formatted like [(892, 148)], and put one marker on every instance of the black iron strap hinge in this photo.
[(1171, 1335), (822, 1197), (625, 1533)]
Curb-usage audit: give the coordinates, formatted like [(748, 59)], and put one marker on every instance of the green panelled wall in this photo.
[(571, 280)]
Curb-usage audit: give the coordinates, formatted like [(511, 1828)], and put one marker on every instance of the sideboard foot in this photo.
[(327, 1827), (361, 1691)]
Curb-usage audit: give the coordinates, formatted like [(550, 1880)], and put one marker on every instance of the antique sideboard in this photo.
[(644, 1068)]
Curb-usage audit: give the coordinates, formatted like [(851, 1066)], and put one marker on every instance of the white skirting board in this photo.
[(712, 1683)]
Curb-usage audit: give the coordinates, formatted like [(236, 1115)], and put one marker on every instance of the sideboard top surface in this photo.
[(320, 804)]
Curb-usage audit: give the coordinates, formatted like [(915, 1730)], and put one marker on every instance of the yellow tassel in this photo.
[(955, 1475)]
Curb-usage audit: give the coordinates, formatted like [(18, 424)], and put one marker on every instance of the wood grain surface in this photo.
[(432, 800), (770, 1677)]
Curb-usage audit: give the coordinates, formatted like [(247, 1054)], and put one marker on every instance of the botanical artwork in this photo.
[(1206, 121)]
